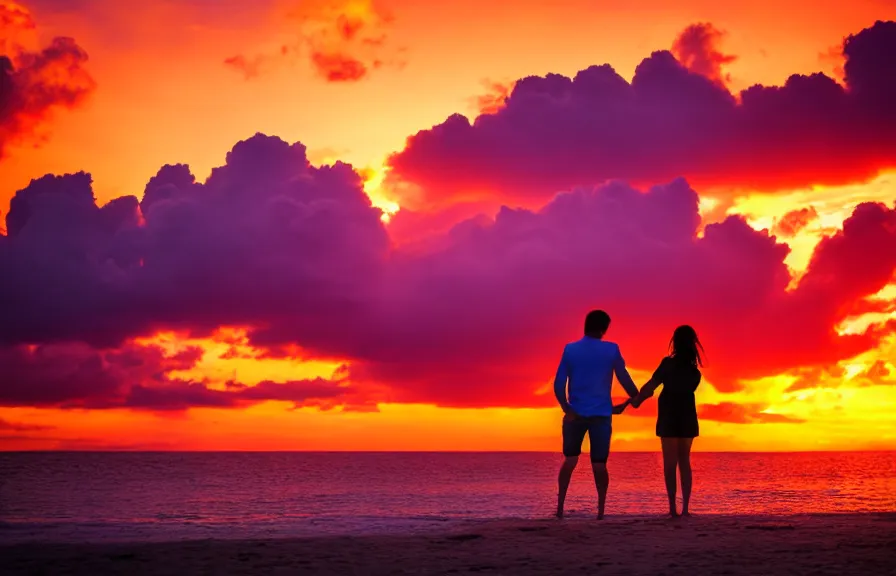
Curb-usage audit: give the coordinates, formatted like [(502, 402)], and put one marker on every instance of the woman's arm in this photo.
[(648, 389)]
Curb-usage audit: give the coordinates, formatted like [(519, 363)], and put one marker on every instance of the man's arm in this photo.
[(620, 408), (560, 383), (623, 376)]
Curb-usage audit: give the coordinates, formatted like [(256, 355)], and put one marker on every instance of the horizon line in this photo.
[(230, 451)]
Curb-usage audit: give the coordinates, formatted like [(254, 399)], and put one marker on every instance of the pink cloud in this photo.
[(793, 222), (74, 375), (697, 48), (250, 67), (494, 98), (501, 294), (556, 132), (35, 84), (341, 40), (7, 426), (336, 67), (743, 414)]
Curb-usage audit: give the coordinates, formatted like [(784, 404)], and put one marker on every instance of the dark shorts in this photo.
[(599, 430)]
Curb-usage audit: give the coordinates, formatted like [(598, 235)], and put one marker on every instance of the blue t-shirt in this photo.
[(588, 366)]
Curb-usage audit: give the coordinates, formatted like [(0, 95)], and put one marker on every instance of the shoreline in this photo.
[(849, 543)]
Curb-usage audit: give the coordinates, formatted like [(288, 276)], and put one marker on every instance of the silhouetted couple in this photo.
[(586, 370)]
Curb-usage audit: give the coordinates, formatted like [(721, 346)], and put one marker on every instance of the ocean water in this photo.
[(83, 496)]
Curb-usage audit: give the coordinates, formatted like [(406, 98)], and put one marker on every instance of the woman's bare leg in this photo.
[(670, 463), (684, 466)]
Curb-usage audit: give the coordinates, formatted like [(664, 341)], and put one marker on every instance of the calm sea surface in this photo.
[(167, 496)]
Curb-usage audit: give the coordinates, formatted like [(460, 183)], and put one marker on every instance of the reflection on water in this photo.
[(137, 496)]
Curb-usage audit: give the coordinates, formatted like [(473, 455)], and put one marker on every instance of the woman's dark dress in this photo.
[(677, 416)]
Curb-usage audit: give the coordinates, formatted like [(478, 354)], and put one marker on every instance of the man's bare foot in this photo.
[(673, 514), (600, 515), (559, 514), (686, 513)]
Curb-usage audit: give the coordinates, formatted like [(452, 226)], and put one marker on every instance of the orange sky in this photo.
[(164, 95)]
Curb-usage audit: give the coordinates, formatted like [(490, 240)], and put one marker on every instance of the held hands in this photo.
[(635, 401), (569, 415), (643, 395)]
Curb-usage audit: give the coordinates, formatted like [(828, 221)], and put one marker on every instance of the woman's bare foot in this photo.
[(686, 513), (674, 514)]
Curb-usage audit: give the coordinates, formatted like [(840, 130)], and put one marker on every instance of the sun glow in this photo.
[(373, 187), (227, 355)]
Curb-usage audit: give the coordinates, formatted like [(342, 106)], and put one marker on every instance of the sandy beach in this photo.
[(816, 544)]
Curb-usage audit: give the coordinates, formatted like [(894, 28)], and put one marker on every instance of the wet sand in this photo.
[(750, 545)]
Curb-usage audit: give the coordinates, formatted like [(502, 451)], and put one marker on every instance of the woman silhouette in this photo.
[(676, 422)]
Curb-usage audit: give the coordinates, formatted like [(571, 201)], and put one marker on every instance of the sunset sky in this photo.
[(358, 225)]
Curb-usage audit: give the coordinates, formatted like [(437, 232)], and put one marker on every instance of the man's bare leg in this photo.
[(670, 463), (566, 470), (684, 467), (602, 483)]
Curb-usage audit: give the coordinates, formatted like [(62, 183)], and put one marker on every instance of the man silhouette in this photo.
[(588, 366)]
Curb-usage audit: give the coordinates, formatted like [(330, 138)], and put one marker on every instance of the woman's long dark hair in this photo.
[(686, 346)]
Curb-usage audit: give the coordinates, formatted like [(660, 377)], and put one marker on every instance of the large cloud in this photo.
[(479, 318), (33, 84), (267, 238), (557, 132), (473, 317)]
